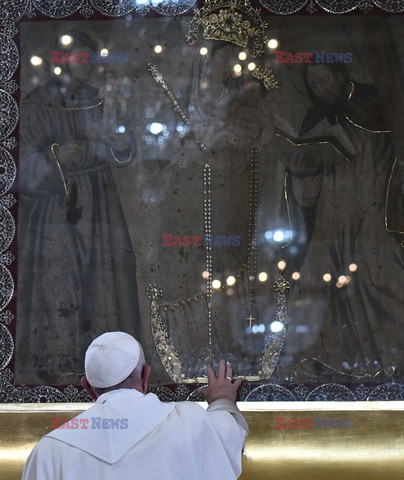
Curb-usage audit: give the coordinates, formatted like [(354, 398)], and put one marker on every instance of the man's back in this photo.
[(162, 441)]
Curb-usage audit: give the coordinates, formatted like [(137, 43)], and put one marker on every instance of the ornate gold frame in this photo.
[(372, 449)]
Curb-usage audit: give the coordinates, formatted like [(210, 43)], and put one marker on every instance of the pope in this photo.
[(170, 441)]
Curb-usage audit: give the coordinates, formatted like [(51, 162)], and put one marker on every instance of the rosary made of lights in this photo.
[(252, 233), (207, 223), (252, 239)]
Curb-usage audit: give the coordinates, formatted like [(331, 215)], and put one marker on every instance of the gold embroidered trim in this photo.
[(285, 195), (386, 220), (298, 143), (352, 90), (66, 108), (124, 162), (58, 165), (365, 129)]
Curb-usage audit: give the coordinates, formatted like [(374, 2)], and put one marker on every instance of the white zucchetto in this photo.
[(111, 358)]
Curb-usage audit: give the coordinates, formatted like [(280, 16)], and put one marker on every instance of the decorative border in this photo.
[(249, 392), (12, 11)]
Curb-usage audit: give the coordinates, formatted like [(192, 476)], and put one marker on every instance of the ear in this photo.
[(145, 377), (87, 387)]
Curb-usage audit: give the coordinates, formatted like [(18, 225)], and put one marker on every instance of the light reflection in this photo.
[(216, 284), (182, 129), (203, 51), (57, 70), (158, 48), (353, 267), (251, 66), (156, 128), (35, 80), (282, 265), (120, 129), (231, 280), (36, 61), (237, 68), (242, 56), (342, 279), (104, 52), (263, 277), (205, 274), (295, 275), (279, 235), (272, 43), (8, 455), (327, 277), (277, 326), (258, 328), (66, 39)]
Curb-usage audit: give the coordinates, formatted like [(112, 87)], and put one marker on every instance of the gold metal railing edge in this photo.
[(373, 449)]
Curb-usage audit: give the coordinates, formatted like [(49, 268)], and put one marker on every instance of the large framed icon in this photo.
[(220, 180)]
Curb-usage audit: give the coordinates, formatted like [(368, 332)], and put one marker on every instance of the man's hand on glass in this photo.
[(221, 385)]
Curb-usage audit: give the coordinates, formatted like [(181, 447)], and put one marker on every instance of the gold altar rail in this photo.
[(372, 449)]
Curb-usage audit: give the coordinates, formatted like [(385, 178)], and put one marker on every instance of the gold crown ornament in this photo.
[(234, 21)]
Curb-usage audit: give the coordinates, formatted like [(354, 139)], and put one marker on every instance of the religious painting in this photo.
[(220, 179)]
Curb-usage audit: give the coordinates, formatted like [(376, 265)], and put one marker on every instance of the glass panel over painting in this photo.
[(212, 202)]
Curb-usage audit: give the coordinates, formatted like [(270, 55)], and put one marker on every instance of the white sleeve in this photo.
[(226, 405), (39, 464), (30, 471), (231, 430)]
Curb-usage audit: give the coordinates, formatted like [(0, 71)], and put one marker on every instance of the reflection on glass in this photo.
[(36, 61), (262, 276), (230, 280), (272, 43), (66, 40)]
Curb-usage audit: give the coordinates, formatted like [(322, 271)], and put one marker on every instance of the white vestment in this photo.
[(143, 438)]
